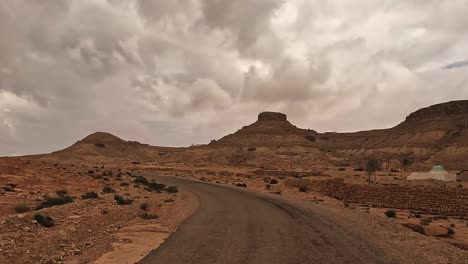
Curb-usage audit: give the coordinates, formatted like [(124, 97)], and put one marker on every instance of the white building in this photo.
[(437, 173)]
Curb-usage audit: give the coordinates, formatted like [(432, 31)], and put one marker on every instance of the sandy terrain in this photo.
[(84, 229)]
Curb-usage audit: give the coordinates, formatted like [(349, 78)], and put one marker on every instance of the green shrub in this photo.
[(44, 220), (22, 209), (274, 181), (108, 189), (390, 214), (89, 195), (122, 201)]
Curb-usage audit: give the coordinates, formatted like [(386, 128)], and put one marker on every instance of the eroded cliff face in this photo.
[(432, 135), (436, 134)]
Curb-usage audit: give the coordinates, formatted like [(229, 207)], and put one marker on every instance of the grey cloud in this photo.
[(181, 72), (458, 64)]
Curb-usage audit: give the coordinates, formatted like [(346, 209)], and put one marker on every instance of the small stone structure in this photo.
[(437, 173)]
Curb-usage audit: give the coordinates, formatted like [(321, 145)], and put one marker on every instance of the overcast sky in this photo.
[(180, 72)]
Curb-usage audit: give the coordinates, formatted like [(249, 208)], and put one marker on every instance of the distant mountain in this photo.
[(434, 135), (101, 146)]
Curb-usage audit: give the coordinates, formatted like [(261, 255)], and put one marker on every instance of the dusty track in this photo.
[(235, 226)]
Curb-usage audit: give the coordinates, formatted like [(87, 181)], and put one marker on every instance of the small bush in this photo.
[(450, 232), (124, 184), (108, 189), (156, 186), (22, 209), (172, 189), (142, 180), (44, 220), (358, 169), (122, 201), (12, 185), (302, 189), (148, 216), (100, 145), (8, 189), (170, 200), (390, 214), (136, 162), (53, 201), (89, 195), (243, 185), (274, 181), (144, 206)]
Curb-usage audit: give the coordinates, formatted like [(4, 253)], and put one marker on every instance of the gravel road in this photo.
[(237, 226)]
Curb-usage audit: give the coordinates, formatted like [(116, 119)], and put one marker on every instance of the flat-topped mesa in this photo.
[(272, 116), (440, 110)]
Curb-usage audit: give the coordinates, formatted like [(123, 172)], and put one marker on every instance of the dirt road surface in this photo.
[(237, 226)]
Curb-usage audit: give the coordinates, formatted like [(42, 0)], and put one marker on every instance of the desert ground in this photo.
[(268, 193)]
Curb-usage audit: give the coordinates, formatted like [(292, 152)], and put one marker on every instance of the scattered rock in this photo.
[(436, 231), (415, 227)]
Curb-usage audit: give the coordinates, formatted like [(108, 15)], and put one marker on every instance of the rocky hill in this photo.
[(434, 135), (101, 145), (270, 130)]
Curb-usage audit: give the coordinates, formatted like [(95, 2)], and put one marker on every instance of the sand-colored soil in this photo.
[(84, 229)]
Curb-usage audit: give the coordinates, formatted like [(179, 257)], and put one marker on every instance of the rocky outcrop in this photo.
[(272, 116), (270, 130), (440, 111)]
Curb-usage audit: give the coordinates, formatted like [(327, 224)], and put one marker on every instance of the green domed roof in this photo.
[(438, 168)]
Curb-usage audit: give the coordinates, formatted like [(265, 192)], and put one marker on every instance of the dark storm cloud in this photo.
[(174, 72), (459, 64)]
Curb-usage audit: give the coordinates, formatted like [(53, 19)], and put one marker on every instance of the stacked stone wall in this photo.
[(443, 201)]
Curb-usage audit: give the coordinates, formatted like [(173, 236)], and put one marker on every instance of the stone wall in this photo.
[(443, 201)]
